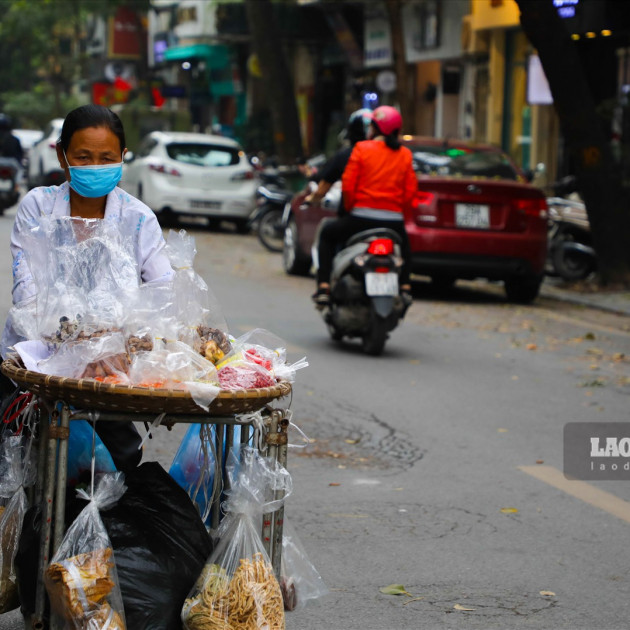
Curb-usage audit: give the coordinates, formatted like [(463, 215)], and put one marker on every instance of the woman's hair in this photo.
[(91, 116), (392, 140)]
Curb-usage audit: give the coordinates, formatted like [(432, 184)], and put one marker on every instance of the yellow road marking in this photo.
[(581, 490)]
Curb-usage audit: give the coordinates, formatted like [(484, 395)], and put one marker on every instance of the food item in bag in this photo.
[(8, 587), (250, 600), (214, 343), (79, 586), (245, 375)]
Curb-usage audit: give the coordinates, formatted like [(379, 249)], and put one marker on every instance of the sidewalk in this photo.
[(587, 295)]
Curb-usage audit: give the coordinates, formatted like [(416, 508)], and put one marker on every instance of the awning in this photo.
[(216, 56)]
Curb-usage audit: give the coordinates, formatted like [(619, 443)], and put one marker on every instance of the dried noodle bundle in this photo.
[(8, 587), (78, 588), (251, 600)]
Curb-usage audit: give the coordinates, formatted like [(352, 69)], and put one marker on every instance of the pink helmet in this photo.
[(387, 119)]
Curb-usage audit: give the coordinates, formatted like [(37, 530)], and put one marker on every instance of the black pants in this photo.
[(122, 440), (337, 232)]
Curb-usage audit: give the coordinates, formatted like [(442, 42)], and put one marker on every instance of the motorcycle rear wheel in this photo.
[(270, 231), (374, 340), (572, 265)]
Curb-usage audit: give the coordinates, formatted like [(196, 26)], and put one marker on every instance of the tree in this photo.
[(599, 175), (277, 83)]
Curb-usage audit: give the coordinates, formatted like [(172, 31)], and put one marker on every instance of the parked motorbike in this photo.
[(365, 301), (9, 191), (271, 197), (571, 254)]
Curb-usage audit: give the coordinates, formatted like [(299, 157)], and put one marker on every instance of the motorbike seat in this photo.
[(372, 234)]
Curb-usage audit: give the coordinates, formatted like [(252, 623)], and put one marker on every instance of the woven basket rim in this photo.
[(13, 368)]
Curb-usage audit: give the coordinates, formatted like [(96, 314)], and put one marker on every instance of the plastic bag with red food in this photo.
[(242, 374)]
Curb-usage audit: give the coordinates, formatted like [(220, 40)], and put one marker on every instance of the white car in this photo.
[(43, 165), (192, 174)]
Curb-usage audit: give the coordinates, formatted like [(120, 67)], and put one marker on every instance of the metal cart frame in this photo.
[(50, 488)]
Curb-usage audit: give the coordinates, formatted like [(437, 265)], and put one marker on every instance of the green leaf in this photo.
[(394, 589)]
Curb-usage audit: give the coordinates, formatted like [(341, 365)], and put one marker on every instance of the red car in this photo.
[(474, 216)]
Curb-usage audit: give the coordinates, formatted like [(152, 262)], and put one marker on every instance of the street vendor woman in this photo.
[(90, 152)]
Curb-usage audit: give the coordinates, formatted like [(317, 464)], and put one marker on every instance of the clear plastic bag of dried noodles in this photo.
[(81, 580), (238, 589)]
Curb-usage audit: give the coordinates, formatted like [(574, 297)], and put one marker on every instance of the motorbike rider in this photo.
[(10, 146), (378, 184), (356, 130)]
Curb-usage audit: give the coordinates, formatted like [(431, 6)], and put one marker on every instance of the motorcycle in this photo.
[(571, 254), (9, 191), (365, 301), (271, 198)]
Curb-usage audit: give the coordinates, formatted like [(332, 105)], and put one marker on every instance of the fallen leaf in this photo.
[(618, 356), (515, 378), (547, 593), (595, 352), (332, 483), (540, 461), (531, 346), (349, 441), (589, 336), (395, 589), (509, 510), (502, 430), (460, 607)]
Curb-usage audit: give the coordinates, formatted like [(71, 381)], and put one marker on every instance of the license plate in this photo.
[(205, 205), (381, 284), (6, 184), (472, 215)]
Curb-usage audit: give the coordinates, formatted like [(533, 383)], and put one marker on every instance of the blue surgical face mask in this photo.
[(94, 181)]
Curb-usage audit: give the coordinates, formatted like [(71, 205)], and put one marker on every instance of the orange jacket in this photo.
[(378, 177)]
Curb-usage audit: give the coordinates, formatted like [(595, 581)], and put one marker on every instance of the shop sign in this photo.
[(378, 37), (126, 36)]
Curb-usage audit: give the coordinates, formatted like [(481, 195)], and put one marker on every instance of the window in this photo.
[(202, 154), (462, 161), (146, 146)]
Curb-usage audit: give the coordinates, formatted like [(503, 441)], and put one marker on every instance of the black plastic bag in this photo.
[(160, 545)]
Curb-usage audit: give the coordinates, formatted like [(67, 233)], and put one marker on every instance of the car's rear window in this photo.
[(461, 162), (202, 154)]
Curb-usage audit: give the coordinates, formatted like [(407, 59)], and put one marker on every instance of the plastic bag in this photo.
[(194, 465), (16, 471), (80, 452), (87, 271), (299, 579), (81, 580), (197, 303), (237, 588)]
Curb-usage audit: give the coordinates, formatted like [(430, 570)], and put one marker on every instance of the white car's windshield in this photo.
[(201, 154)]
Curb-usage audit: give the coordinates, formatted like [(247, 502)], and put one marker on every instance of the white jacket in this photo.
[(133, 216)]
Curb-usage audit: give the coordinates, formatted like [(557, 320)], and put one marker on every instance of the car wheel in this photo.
[(294, 261), (442, 283), (523, 290)]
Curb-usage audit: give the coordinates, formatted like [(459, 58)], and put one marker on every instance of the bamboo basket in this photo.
[(87, 393)]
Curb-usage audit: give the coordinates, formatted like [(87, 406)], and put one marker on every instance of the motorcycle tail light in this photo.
[(381, 247), (160, 168), (382, 269), (6, 173)]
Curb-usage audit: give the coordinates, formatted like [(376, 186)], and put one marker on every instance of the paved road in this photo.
[(436, 465)]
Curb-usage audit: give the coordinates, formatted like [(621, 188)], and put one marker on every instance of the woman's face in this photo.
[(89, 147)]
